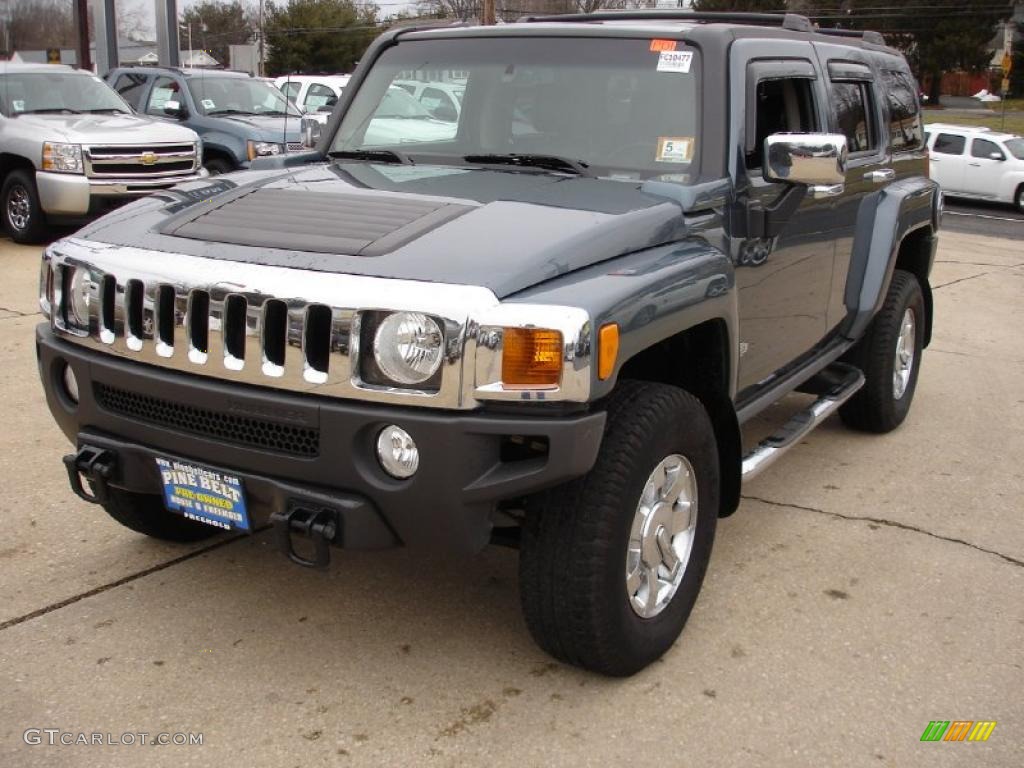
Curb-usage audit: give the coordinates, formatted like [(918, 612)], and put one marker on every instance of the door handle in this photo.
[(819, 191), (885, 174), (975, 165)]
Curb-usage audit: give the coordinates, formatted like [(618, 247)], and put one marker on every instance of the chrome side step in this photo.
[(837, 384)]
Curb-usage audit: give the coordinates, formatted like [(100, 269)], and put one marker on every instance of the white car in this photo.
[(311, 93), (442, 99), (977, 163)]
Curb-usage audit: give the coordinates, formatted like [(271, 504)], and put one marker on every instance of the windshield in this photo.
[(613, 106), (57, 93), (1016, 147), (238, 96)]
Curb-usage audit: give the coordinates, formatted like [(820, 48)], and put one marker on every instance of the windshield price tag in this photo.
[(208, 104), (674, 149), (675, 61)]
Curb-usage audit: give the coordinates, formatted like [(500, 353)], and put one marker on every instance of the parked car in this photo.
[(398, 118), (70, 149), (238, 117), (977, 163), (544, 338), (312, 93), (442, 99)]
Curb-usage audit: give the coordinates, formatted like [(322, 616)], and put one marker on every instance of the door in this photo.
[(948, 162), (132, 87), (164, 89), (984, 171), (784, 274), (856, 112)]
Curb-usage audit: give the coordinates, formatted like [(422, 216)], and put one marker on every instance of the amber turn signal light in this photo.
[(531, 357), (607, 349)]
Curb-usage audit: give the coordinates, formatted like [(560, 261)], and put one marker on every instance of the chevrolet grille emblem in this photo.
[(148, 158)]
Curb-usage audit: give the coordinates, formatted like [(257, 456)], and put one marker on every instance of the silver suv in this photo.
[(71, 148)]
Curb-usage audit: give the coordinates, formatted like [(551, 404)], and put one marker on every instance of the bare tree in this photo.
[(35, 24)]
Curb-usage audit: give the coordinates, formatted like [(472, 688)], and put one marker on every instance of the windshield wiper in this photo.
[(230, 112), (111, 110), (547, 162), (50, 111), (375, 155), (275, 113)]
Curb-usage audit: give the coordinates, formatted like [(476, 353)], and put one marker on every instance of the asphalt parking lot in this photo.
[(867, 586)]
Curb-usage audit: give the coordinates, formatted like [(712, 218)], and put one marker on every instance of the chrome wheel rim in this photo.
[(661, 539), (904, 355), (19, 208)]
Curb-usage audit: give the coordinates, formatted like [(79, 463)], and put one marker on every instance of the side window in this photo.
[(164, 89), (904, 112), (987, 150), (318, 96), (290, 88), (439, 104), (855, 114), (784, 105), (131, 87), (949, 144)]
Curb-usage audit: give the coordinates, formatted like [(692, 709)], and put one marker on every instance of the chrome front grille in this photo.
[(293, 329), (150, 161)]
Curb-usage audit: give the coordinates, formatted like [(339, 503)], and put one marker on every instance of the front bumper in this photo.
[(466, 466), (71, 195)]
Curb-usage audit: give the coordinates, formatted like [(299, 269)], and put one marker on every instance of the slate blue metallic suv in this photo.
[(239, 118)]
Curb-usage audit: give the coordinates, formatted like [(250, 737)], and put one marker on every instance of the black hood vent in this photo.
[(304, 220)]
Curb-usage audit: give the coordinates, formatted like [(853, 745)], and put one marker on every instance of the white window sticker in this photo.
[(18, 105), (675, 61), (208, 104), (674, 149)]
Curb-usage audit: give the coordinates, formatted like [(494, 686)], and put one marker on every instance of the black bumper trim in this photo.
[(446, 506)]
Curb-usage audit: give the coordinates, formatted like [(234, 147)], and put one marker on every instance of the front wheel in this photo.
[(22, 211), (611, 564), (889, 354)]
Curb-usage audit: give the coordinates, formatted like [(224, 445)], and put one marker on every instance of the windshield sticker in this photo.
[(18, 105), (663, 45), (674, 149), (208, 104), (675, 61)]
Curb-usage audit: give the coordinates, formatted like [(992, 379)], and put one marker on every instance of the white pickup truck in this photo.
[(71, 149)]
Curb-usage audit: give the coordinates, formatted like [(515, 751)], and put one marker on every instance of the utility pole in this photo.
[(82, 27), (261, 39), (487, 17)]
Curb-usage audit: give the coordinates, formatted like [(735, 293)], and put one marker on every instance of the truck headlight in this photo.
[(256, 149), (408, 347), (62, 158)]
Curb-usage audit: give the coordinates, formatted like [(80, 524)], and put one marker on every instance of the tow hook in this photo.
[(97, 465), (317, 523)]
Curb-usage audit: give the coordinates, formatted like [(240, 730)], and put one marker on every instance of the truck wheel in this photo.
[(1019, 201), (890, 357), (22, 212), (217, 166), (611, 564), (146, 514)]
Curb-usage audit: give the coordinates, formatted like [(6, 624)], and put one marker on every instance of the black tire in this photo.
[(876, 408), (22, 183), (1019, 200), (145, 513), (575, 537), (217, 166)]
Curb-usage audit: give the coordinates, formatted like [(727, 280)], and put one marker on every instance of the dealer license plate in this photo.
[(205, 495)]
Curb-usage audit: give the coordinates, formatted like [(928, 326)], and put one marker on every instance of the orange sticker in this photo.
[(663, 45)]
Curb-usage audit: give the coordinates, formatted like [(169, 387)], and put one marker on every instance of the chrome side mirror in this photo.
[(815, 159), (310, 132)]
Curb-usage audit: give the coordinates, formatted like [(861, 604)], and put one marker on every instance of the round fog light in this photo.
[(397, 452), (70, 384)]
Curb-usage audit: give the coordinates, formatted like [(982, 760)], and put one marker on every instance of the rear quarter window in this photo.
[(905, 130)]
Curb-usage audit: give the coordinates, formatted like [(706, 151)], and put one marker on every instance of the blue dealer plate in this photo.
[(206, 495)]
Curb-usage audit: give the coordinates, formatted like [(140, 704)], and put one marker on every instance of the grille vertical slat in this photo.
[(294, 355), (234, 330), (274, 337), (197, 326), (316, 343), (134, 298), (164, 331), (215, 329)]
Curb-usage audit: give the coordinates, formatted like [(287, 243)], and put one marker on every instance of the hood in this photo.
[(502, 230), (267, 128), (105, 129)]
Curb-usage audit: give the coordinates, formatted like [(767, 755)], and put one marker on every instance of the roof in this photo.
[(198, 72), (988, 132)]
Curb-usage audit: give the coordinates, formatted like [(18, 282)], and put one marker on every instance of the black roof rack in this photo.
[(791, 21), (867, 35)]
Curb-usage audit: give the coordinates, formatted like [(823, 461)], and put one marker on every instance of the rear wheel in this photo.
[(611, 564), (22, 211), (145, 513), (889, 354), (1019, 200), (217, 166)]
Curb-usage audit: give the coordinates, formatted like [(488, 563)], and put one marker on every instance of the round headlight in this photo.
[(397, 452), (408, 347), (79, 288)]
